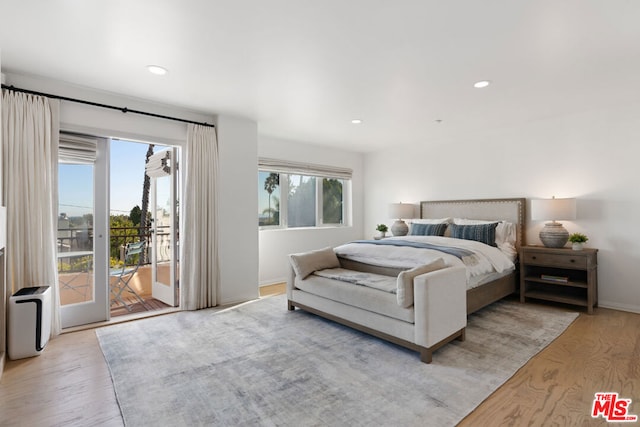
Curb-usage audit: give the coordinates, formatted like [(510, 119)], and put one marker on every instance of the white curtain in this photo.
[(199, 273), (30, 129)]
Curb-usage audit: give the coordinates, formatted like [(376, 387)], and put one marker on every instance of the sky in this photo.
[(75, 182), (127, 175), (75, 190)]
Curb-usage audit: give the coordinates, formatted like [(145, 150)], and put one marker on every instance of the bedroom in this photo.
[(586, 149)]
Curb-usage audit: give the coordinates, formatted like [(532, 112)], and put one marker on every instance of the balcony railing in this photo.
[(74, 240)]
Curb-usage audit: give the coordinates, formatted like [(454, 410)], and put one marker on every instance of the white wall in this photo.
[(238, 202), (275, 245), (592, 156), (237, 142)]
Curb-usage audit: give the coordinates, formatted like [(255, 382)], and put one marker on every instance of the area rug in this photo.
[(259, 364)]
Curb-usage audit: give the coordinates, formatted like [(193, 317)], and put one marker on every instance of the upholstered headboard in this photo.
[(511, 210)]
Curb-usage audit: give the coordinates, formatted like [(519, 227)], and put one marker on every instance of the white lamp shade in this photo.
[(400, 210), (553, 209)]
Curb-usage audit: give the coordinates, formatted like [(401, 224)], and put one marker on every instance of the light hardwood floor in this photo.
[(69, 383), (597, 353)]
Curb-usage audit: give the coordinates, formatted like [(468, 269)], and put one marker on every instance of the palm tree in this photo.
[(146, 188), (274, 213), (270, 184)]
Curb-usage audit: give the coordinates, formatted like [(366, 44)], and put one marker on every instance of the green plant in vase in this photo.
[(382, 228), (578, 240)]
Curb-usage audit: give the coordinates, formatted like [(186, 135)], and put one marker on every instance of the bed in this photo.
[(483, 290)]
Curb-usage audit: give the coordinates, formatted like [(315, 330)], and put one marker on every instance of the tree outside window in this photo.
[(269, 198), (294, 200), (332, 201)]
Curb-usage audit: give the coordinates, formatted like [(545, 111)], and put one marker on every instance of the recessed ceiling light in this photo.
[(356, 121), (157, 70), (482, 83)]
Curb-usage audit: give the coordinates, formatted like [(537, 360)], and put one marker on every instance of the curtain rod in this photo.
[(111, 107)]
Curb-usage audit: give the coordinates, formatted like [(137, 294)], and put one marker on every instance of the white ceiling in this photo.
[(303, 69)]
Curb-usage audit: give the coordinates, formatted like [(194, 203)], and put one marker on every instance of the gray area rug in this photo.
[(259, 364)]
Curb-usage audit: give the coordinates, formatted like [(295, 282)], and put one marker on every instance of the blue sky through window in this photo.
[(75, 184), (127, 176)]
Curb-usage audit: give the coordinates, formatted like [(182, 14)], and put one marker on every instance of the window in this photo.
[(290, 199)]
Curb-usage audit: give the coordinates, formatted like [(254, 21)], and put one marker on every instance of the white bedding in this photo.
[(490, 259)]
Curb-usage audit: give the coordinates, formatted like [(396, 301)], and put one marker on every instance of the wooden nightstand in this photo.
[(561, 275)]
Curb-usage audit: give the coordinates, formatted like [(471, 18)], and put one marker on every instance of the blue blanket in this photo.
[(464, 254)]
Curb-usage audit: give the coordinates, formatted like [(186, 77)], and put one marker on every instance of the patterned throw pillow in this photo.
[(485, 233), (428, 229)]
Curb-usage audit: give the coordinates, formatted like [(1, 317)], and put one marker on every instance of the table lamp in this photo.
[(399, 211), (553, 235)]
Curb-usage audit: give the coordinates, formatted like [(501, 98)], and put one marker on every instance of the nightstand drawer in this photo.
[(555, 260)]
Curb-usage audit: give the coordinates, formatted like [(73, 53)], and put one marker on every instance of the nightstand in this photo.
[(560, 275)]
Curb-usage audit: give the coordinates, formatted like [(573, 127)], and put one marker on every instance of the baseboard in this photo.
[(270, 282), (238, 300), (621, 307)]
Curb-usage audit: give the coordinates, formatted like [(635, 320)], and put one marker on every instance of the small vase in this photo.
[(577, 246)]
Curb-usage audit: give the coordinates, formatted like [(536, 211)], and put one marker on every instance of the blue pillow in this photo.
[(428, 229), (485, 233)]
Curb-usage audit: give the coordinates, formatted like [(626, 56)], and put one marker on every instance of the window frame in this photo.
[(319, 214)]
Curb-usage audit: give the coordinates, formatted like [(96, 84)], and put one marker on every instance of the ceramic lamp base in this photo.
[(554, 235), (399, 228)]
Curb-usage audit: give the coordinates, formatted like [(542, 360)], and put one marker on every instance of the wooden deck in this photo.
[(78, 287)]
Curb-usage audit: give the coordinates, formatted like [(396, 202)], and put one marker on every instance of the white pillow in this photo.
[(506, 239), (506, 233), (307, 262), (431, 221), (467, 221), (404, 293)]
